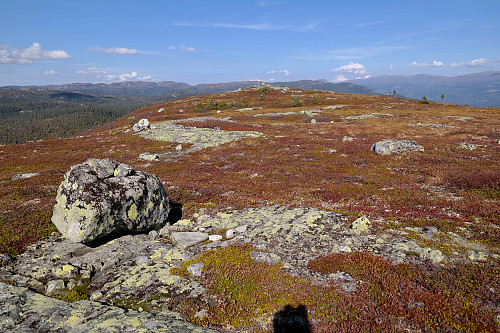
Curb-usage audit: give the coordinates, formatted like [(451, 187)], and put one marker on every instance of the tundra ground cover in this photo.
[(327, 164)]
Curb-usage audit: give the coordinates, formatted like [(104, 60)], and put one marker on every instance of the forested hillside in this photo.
[(34, 114)]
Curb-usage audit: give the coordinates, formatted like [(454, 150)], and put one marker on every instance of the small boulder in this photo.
[(186, 239), (196, 269), (361, 225), (4, 259), (388, 147), (267, 257), (24, 175), (101, 197), (149, 157), (141, 125), (54, 287)]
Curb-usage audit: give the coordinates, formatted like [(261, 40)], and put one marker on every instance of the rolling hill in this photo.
[(478, 89)]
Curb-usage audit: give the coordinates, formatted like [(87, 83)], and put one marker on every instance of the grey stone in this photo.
[(149, 157), (22, 309), (467, 146), (144, 260), (388, 147), (345, 282), (187, 239), (267, 257), (141, 125), (53, 287), (153, 235), (4, 259), (100, 197), (361, 224), (25, 175), (196, 269)]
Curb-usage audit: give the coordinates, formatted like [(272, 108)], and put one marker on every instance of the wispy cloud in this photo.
[(187, 48), (114, 50), (9, 55), (435, 63), (282, 71), (264, 26), (367, 24), (352, 53), (481, 62), (270, 3), (51, 73), (477, 62), (100, 74)]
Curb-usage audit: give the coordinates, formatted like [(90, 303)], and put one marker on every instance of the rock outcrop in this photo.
[(388, 147), (141, 125), (23, 310), (138, 273), (101, 197)]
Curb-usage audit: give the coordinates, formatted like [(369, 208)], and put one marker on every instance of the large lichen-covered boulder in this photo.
[(101, 197), (388, 147)]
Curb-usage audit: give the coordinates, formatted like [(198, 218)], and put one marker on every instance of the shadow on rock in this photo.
[(175, 213), (291, 320)]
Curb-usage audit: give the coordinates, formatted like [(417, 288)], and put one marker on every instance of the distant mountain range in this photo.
[(140, 88), (479, 89)]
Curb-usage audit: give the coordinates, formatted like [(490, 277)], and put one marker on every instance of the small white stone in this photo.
[(214, 238), (178, 148), (344, 249), (241, 228), (229, 233)]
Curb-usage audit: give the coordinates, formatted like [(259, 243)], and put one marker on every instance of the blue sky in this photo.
[(206, 41)]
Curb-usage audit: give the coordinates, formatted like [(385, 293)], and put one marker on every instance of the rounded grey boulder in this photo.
[(388, 147), (101, 197)]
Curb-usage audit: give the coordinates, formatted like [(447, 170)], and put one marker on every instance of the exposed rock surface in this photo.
[(388, 147), (134, 271), (25, 175), (199, 137), (141, 125), (23, 310), (100, 197)]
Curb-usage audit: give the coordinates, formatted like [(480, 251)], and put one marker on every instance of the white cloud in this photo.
[(340, 78), (100, 74), (51, 73), (172, 48), (391, 67), (187, 49), (35, 52), (351, 67), (497, 59), (474, 63), (114, 50), (477, 63), (92, 71), (264, 26), (435, 63), (282, 71)]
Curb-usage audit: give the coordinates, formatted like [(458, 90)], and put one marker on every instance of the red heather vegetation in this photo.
[(301, 163)]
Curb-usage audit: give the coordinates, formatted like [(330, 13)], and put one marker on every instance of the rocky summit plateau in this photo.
[(264, 209)]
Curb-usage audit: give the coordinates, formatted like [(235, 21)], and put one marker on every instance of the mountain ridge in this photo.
[(478, 89), (142, 88)]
